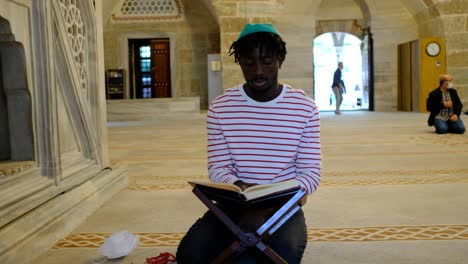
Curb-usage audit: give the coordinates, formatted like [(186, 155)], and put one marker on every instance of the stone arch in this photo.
[(433, 9), (348, 26), (16, 133), (356, 27), (356, 23), (366, 15)]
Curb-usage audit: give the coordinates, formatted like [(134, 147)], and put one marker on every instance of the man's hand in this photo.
[(243, 185), (454, 118), (448, 104)]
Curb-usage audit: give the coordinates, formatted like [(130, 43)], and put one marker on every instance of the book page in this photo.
[(228, 187), (280, 185), (265, 189), (253, 192)]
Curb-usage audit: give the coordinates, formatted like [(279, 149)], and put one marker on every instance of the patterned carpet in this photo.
[(392, 191)]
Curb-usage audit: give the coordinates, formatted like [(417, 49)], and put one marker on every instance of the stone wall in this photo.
[(390, 23), (454, 16), (449, 19), (296, 28), (194, 38)]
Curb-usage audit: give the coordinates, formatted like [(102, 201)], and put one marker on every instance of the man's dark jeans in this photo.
[(208, 237)]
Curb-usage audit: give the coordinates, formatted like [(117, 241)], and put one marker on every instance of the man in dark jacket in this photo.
[(445, 107)]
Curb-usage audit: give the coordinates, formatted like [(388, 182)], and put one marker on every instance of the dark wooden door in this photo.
[(368, 67), (160, 71), (150, 72), (405, 77)]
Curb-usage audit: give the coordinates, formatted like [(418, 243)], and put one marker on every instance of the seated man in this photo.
[(259, 132), (445, 107)]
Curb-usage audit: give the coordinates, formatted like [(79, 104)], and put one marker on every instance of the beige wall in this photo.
[(454, 16), (296, 28), (391, 23), (191, 40), (449, 19)]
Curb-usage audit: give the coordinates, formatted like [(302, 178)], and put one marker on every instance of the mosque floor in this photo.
[(392, 191)]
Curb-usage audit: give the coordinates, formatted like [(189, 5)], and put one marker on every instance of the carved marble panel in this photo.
[(148, 11)]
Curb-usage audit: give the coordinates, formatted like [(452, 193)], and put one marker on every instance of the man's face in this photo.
[(447, 82), (260, 69)]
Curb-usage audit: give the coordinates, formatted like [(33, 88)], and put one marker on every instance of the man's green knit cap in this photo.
[(254, 28)]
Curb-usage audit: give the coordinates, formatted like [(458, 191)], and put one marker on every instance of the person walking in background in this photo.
[(338, 87), (445, 107)]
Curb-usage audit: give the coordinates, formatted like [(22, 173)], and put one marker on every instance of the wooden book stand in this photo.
[(290, 205)]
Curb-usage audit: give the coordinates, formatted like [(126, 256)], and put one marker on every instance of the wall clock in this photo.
[(433, 49)]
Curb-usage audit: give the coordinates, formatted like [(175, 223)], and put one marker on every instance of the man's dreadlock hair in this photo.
[(262, 40)]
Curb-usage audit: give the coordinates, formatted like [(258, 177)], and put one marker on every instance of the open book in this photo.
[(253, 193)]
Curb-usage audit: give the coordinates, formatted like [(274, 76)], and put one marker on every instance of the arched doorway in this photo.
[(329, 49)]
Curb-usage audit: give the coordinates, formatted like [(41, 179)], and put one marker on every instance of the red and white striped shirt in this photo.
[(264, 142)]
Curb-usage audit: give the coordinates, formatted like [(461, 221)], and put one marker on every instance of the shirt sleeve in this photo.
[(309, 156), (220, 167)]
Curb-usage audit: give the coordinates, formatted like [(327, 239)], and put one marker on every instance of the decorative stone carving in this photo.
[(49, 197), (16, 137), (76, 36), (149, 10)]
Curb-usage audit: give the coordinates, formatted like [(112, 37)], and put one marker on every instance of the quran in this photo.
[(253, 194)]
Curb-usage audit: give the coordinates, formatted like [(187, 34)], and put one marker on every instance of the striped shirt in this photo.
[(445, 113), (264, 142)]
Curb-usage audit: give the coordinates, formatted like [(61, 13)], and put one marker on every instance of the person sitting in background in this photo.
[(445, 107)]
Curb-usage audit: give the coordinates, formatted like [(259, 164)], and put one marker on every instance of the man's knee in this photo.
[(188, 257), (290, 240), (459, 127), (441, 128), (291, 253), (192, 250), (204, 240), (450, 127), (459, 130)]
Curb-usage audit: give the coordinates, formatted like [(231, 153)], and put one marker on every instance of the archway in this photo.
[(329, 49)]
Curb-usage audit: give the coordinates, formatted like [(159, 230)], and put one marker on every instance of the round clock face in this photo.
[(433, 49)]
